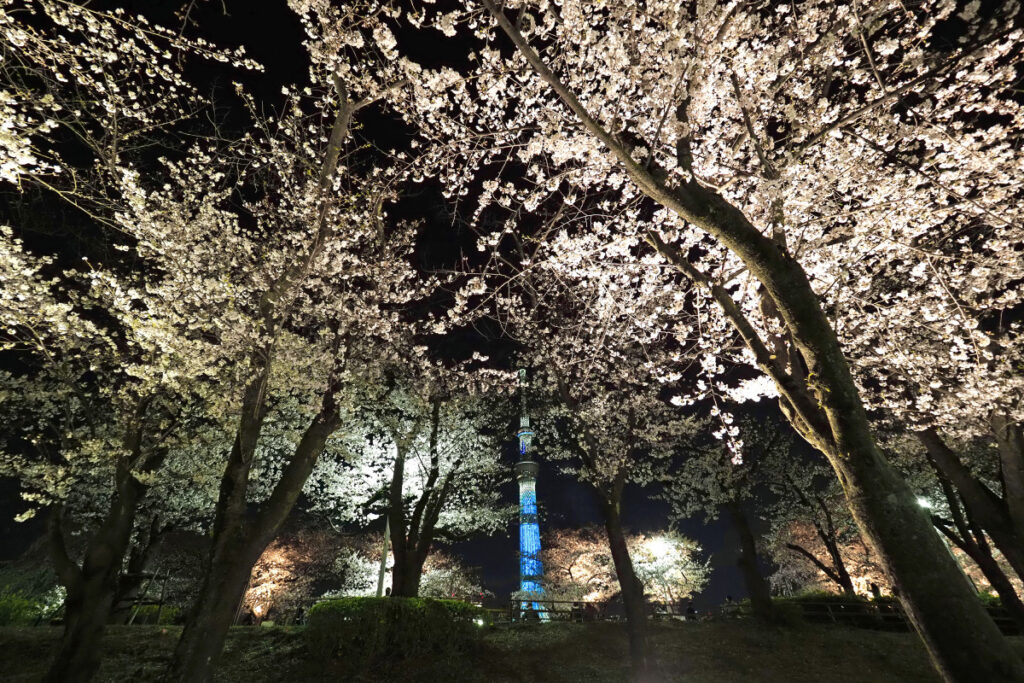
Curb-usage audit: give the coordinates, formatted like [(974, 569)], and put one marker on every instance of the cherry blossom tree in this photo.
[(806, 501), (444, 576), (322, 265), (428, 460), (707, 483), (727, 128), (796, 573), (109, 380), (578, 566), (605, 421)]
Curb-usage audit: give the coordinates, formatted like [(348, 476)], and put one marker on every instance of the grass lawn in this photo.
[(718, 652)]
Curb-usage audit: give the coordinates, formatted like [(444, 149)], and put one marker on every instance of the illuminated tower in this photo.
[(530, 569)]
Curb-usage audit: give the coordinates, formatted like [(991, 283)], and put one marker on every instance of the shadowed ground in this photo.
[(713, 652)]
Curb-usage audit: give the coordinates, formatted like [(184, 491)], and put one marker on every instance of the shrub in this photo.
[(826, 596), (147, 614), (990, 600), (17, 609), (357, 631)]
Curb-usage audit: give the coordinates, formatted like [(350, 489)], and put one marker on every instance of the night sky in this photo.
[(271, 34)]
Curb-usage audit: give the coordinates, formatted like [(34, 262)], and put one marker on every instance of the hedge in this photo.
[(358, 631), (17, 609)]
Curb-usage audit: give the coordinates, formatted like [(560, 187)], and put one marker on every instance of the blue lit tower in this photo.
[(530, 569)]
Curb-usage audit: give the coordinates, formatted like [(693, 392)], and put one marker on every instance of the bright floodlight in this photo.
[(660, 546)]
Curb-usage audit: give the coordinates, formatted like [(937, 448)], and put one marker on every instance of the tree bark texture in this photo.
[(238, 541), (757, 587), (92, 587), (980, 502), (630, 586)]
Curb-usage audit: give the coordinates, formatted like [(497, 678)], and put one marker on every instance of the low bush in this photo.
[(152, 614), (359, 631), (17, 609), (990, 600), (826, 596)]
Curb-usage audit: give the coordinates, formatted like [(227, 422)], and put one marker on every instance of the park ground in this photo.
[(716, 651)]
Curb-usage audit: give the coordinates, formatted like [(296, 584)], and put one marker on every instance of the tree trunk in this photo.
[(757, 587), (224, 584), (413, 537), (631, 587), (1010, 443), (971, 539), (979, 502), (824, 405), (86, 610), (237, 543), (91, 589), (130, 583), (1000, 582), (90, 593), (405, 581), (964, 641), (839, 566)]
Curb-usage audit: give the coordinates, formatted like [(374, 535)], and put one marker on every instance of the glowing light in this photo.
[(659, 546), (924, 502)]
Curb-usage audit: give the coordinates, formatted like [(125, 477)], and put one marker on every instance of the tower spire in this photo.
[(531, 571)]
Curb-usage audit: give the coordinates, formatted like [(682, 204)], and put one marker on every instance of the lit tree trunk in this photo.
[(632, 589), (824, 405), (981, 503), (842, 575), (757, 587), (239, 541), (412, 537), (130, 583), (91, 588)]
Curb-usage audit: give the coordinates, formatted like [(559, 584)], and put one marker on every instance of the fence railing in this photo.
[(888, 616), (579, 611)]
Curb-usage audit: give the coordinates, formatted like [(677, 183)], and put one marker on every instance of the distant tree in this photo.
[(805, 492), (424, 453), (444, 575), (610, 429), (578, 566), (804, 563), (710, 480)]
